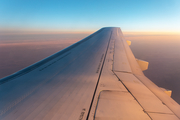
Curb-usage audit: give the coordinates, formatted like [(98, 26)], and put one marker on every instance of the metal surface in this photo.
[(143, 95), (121, 62), (116, 105), (68, 85)]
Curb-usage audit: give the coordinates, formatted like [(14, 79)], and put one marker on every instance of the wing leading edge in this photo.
[(95, 78)]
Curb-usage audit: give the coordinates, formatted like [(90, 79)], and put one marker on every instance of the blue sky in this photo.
[(130, 15)]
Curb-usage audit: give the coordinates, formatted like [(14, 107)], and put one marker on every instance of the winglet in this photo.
[(128, 42), (168, 92), (143, 64)]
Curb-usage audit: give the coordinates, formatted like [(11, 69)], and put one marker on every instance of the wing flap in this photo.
[(168, 101), (120, 59), (156, 116), (144, 96), (115, 105)]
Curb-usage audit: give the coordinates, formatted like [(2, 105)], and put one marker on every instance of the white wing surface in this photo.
[(95, 78)]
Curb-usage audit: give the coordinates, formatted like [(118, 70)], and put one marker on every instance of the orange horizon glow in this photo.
[(38, 31), (79, 31), (150, 33)]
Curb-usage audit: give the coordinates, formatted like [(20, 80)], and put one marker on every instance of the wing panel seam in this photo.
[(98, 78)]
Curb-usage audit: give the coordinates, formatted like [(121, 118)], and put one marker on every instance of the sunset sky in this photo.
[(90, 15)]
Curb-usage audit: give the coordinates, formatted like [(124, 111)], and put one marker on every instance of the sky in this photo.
[(90, 15)]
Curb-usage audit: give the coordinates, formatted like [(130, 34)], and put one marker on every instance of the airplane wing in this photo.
[(96, 78)]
